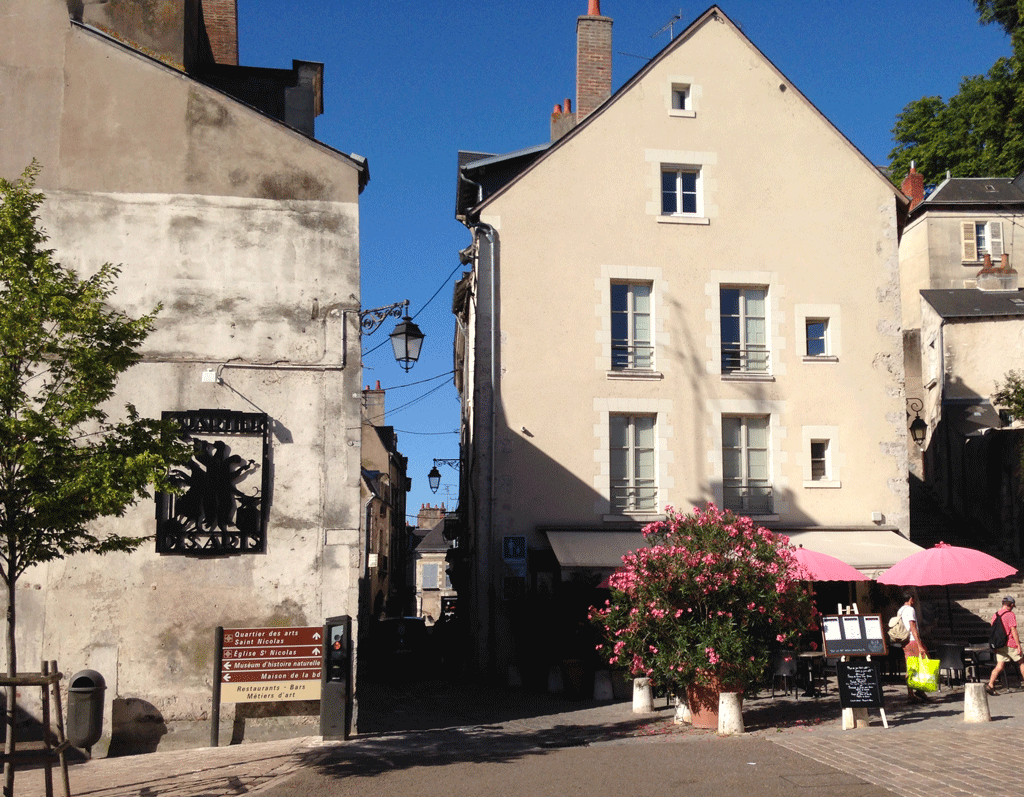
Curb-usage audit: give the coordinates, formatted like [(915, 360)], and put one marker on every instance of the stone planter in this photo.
[(704, 701)]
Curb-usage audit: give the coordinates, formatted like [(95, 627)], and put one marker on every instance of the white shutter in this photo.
[(995, 239), (970, 243)]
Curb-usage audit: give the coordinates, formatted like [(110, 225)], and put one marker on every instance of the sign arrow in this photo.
[(316, 636), (227, 677), (316, 652), (227, 665)]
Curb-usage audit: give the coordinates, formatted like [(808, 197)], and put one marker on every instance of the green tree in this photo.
[(63, 462), (979, 132), (1010, 396), (1005, 13)]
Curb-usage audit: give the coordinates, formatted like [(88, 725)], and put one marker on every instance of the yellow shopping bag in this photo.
[(923, 673)]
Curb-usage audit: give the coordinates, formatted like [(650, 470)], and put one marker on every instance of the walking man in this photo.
[(1011, 650), (914, 646)]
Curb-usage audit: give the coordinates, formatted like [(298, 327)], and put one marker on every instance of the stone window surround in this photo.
[(659, 159), (803, 312), (661, 409), (777, 433), (835, 456), (694, 94), (603, 310), (776, 316)]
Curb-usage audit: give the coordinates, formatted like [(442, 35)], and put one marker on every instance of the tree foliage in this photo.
[(63, 462), (1004, 13), (979, 132)]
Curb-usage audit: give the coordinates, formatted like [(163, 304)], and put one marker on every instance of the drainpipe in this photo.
[(484, 552)]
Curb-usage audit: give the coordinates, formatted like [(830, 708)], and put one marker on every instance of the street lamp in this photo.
[(406, 340), (434, 477), (918, 426)]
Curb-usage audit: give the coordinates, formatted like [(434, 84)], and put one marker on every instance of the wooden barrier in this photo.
[(54, 743)]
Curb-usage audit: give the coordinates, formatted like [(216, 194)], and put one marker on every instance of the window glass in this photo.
[(669, 204), (816, 343), (688, 188), (819, 463)]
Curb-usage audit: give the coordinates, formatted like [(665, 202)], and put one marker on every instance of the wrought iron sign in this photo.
[(220, 509)]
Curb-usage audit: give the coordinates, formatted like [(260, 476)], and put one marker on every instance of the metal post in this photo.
[(218, 654)]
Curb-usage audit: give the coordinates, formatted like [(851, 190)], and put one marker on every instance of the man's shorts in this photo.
[(1008, 654)]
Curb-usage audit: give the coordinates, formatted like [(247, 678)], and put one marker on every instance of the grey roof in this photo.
[(972, 303), (977, 191)]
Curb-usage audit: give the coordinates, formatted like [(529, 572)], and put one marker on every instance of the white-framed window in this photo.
[(681, 97), (819, 461), (746, 471), (681, 191), (428, 576), (980, 238), (632, 463), (817, 337), (744, 317), (632, 347)]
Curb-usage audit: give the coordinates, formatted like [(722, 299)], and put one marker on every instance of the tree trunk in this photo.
[(12, 691)]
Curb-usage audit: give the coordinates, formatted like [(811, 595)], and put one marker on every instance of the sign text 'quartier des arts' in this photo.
[(271, 664)]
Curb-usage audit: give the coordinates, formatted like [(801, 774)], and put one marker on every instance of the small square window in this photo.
[(817, 337), (680, 97), (819, 460)]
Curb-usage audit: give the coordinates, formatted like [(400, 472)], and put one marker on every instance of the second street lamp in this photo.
[(434, 477)]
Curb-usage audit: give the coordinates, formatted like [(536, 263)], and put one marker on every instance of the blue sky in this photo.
[(408, 84)]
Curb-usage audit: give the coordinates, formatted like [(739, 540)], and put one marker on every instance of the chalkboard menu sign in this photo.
[(853, 635), (859, 684)]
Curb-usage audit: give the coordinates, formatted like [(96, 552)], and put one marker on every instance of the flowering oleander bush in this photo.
[(706, 602)]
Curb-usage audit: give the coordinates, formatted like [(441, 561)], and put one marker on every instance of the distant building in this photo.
[(203, 179), (428, 563), (385, 486), (668, 307)]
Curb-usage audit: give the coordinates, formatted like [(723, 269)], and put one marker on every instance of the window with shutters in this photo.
[(744, 330), (631, 327), (746, 477), (980, 238), (633, 469)]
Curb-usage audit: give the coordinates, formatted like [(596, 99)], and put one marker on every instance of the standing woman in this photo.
[(913, 646)]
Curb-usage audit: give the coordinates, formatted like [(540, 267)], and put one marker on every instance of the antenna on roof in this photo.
[(670, 27)]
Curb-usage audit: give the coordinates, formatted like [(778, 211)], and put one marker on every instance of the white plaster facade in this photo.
[(247, 232), (587, 213)]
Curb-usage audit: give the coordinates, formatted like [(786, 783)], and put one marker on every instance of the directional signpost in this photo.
[(271, 664)]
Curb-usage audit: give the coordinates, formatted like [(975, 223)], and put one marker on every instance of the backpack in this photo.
[(997, 637), (897, 631)]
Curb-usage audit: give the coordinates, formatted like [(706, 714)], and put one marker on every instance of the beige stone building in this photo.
[(666, 307), (223, 207)]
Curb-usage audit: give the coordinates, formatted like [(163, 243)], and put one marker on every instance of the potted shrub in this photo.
[(701, 609)]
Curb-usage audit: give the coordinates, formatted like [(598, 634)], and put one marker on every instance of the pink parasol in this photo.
[(944, 565), (822, 567)]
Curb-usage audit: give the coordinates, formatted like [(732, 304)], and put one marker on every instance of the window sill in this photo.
[(683, 220), (636, 374), (820, 358), (764, 518), (822, 484), (633, 517), (682, 113), (747, 377)]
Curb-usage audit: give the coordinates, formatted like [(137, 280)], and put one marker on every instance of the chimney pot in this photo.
[(594, 8), (568, 105), (1004, 261), (913, 186), (558, 110), (378, 384)]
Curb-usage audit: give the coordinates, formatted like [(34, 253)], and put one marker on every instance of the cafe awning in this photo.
[(869, 550), (594, 549)]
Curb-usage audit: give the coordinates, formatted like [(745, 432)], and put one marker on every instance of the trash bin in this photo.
[(85, 708)]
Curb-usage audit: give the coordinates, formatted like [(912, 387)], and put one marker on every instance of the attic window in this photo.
[(682, 100)]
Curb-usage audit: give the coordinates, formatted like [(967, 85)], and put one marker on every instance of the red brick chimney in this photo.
[(593, 60), (913, 187), (220, 18)]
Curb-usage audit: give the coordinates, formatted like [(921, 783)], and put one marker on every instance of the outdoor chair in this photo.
[(784, 667), (951, 660)]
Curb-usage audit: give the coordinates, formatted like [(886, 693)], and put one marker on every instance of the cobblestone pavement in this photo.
[(926, 750)]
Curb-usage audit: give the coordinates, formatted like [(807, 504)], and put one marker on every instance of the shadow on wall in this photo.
[(136, 726)]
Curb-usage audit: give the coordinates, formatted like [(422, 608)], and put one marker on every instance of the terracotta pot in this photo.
[(703, 701)]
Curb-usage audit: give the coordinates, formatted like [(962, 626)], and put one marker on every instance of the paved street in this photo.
[(437, 739)]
